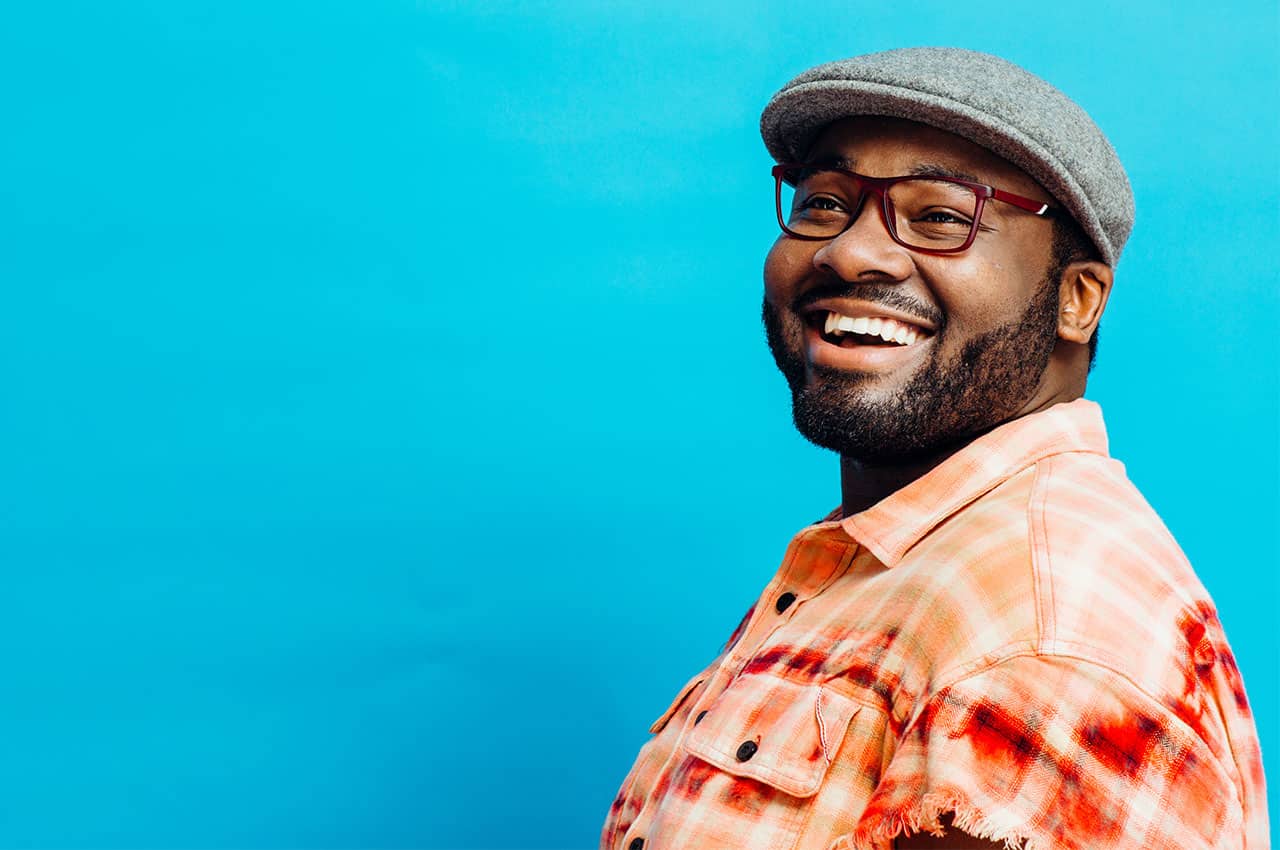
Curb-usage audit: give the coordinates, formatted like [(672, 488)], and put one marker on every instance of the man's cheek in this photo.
[(784, 266)]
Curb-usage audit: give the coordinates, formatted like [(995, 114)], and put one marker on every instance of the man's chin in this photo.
[(868, 387), (854, 422)]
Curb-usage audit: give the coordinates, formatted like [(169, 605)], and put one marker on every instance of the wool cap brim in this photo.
[(980, 97)]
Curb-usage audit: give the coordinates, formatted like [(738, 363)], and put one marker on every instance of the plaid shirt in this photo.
[(1014, 638)]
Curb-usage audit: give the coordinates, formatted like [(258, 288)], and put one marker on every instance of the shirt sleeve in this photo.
[(1052, 752)]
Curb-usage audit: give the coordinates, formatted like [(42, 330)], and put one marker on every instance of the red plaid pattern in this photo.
[(1014, 638)]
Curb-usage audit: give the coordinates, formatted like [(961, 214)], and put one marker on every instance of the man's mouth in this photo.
[(846, 331), (862, 342)]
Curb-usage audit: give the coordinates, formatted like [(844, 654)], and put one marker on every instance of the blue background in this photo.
[(383, 445)]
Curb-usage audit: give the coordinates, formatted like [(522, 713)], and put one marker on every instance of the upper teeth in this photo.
[(890, 330)]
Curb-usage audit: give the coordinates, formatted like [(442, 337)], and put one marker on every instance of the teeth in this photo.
[(890, 330)]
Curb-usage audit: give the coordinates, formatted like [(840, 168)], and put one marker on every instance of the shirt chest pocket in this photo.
[(773, 730)]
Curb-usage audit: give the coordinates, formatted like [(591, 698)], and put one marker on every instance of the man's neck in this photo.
[(862, 483)]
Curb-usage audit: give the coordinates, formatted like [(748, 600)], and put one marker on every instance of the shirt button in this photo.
[(746, 750), (636, 844), (784, 601), (698, 719)]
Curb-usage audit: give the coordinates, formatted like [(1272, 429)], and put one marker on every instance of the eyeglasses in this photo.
[(935, 215)]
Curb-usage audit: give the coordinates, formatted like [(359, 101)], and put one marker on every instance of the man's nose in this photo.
[(865, 248)]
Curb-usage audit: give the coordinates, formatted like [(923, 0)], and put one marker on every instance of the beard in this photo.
[(945, 404)]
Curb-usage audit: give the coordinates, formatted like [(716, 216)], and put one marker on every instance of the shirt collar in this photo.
[(890, 527)]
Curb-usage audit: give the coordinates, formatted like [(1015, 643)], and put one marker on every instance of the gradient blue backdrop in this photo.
[(383, 445)]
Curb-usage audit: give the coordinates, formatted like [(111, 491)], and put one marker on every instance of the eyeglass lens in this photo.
[(927, 213)]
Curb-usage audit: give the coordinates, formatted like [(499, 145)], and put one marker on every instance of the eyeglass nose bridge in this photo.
[(879, 187)]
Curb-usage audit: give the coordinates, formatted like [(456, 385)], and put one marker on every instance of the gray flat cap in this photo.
[(980, 97)]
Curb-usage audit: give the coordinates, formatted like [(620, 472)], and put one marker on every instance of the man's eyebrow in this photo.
[(922, 169), (933, 169), (833, 161)]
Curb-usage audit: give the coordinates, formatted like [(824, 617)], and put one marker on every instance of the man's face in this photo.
[(985, 319)]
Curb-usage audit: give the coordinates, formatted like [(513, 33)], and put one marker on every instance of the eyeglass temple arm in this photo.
[(1033, 207)]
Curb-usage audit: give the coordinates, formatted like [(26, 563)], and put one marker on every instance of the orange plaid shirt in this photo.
[(1014, 638)]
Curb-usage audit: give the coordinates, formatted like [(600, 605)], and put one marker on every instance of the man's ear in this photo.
[(1082, 296)]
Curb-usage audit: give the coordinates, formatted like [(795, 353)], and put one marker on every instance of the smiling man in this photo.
[(994, 640)]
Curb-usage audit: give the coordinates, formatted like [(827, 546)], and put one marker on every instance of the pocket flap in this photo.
[(773, 730)]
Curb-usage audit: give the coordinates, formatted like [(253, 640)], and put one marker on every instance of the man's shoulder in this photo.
[(1092, 531), (1084, 565), (1113, 576)]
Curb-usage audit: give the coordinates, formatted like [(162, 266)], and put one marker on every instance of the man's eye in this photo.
[(821, 202), (942, 217)]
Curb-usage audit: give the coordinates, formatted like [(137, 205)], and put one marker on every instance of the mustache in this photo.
[(876, 293)]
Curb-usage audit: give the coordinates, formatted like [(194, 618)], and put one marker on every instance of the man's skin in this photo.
[(960, 297)]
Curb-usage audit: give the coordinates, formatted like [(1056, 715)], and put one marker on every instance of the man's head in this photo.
[(980, 334)]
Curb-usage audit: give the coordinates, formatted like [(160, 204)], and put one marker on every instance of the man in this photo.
[(994, 641)]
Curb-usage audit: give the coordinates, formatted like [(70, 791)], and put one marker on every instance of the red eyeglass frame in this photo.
[(880, 186)]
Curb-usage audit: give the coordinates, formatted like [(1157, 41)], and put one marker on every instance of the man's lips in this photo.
[(855, 309), (858, 336)]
